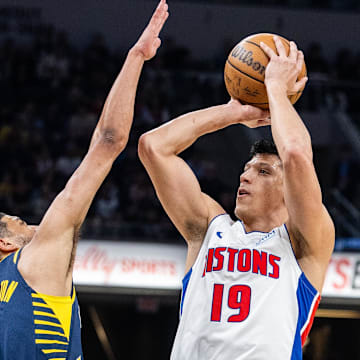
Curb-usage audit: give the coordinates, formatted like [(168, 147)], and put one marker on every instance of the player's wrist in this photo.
[(231, 112), (137, 52), (274, 85)]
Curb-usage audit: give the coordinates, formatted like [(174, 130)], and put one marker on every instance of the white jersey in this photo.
[(245, 298)]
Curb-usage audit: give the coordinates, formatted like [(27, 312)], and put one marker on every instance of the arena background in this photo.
[(57, 63)]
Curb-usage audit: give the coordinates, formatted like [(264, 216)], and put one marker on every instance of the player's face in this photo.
[(261, 187), (22, 232)]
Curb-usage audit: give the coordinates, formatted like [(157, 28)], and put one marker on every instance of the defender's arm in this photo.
[(48, 259)]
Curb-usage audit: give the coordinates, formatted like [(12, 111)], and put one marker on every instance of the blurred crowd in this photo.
[(342, 5), (52, 96)]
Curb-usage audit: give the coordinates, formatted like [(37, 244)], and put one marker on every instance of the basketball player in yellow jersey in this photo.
[(252, 286), (39, 316)]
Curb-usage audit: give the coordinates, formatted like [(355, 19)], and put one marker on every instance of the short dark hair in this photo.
[(263, 146), (4, 231)]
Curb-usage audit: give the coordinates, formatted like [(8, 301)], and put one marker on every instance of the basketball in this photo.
[(244, 72)]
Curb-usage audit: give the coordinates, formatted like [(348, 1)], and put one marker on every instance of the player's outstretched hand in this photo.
[(149, 40), (248, 115), (284, 69)]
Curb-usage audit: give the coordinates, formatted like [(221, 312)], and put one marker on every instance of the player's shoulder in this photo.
[(214, 208), (223, 217), (220, 223)]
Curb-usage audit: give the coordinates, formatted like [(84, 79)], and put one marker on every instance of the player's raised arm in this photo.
[(47, 261), (176, 185), (310, 225)]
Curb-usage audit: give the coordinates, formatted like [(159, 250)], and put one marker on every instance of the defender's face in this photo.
[(261, 187), (20, 230)]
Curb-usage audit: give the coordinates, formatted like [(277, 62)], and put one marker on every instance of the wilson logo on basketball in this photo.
[(246, 56)]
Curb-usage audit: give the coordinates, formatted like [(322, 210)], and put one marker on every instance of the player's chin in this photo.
[(239, 210)]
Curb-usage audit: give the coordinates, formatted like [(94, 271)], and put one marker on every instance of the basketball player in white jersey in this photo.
[(251, 286)]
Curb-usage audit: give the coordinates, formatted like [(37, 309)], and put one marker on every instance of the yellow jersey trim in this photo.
[(48, 332), (42, 313), (43, 322), (16, 256), (50, 351), (61, 306), (45, 341), (41, 305)]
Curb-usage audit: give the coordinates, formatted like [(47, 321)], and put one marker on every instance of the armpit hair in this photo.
[(195, 231), (299, 243), (76, 237)]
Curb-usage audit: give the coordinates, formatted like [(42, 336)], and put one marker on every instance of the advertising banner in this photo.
[(343, 276), (126, 264), (162, 266)]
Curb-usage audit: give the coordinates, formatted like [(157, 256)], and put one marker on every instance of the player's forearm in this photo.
[(118, 111), (288, 130), (178, 134)]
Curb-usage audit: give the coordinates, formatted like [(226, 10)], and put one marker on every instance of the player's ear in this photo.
[(6, 246)]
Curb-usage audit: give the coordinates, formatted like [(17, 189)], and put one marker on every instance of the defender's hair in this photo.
[(263, 146)]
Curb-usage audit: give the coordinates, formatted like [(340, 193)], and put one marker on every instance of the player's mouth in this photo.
[(243, 193)]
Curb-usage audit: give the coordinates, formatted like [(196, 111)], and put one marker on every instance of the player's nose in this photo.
[(245, 177)]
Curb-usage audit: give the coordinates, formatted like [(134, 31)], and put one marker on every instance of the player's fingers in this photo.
[(300, 84), (299, 60), (264, 122), (163, 19), (293, 55), (279, 46), (161, 4), (258, 113), (159, 14), (267, 50), (264, 114)]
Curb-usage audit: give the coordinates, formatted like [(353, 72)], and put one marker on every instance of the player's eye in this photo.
[(263, 171)]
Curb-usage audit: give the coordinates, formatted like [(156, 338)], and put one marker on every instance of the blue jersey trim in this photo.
[(185, 283), (305, 295)]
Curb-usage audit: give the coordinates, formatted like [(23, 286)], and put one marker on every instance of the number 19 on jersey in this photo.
[(238, 298)]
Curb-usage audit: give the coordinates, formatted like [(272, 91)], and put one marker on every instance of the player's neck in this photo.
[(3, 256), (265, 223)]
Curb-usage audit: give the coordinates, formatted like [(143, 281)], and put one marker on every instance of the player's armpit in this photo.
[(313, 253)]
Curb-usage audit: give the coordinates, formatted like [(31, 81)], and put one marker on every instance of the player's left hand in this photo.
[(248, 115), (284, 69), (149, 40)]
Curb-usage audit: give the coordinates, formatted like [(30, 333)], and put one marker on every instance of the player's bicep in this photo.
[(180, 194), (303, 199)]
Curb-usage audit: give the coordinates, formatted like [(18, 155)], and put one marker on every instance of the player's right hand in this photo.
[(249, 115), (149, 40), (284, 69)]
